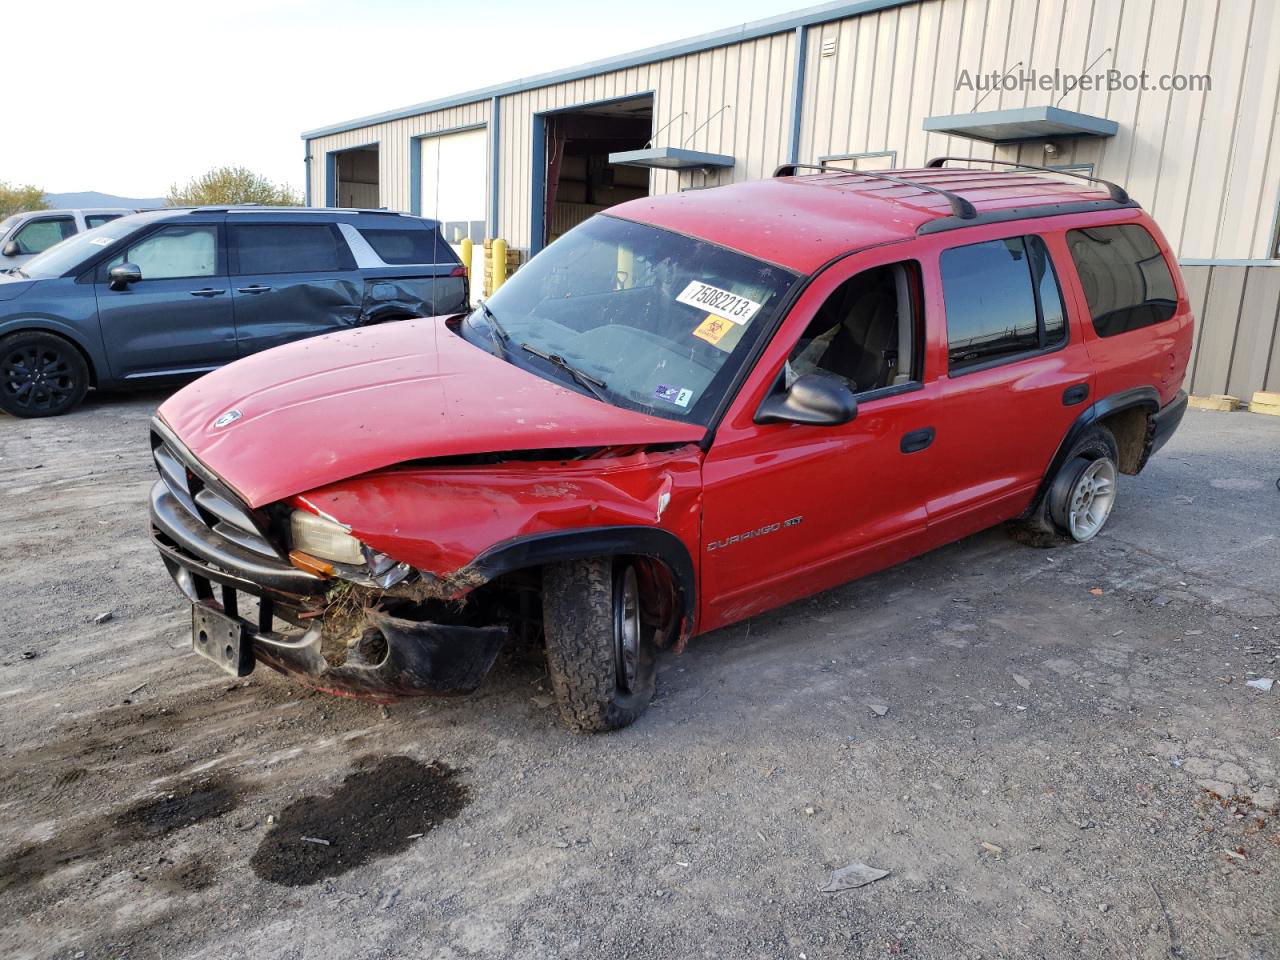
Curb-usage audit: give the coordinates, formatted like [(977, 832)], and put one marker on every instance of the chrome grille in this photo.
[(223, 515)]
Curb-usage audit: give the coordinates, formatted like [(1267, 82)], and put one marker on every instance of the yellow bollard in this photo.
[(466, 256), (626, 268), (499, 263)]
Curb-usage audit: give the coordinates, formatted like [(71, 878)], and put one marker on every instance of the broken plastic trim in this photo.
[(395, 658)]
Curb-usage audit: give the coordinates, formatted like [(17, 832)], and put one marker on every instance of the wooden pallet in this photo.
[(1222, 402), (1265, 401)]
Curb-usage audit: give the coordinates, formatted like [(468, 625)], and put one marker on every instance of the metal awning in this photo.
[(1022, 124), (670, 158)]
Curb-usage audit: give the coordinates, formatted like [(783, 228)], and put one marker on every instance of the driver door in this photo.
[(791, 509), (178, 319)]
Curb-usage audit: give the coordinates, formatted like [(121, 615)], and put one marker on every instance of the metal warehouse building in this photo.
[(879, 84)]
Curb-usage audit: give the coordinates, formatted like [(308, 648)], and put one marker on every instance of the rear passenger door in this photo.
[(292, 278), (1017, 376)]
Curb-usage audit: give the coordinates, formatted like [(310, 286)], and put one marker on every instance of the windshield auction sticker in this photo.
[(720, 302)]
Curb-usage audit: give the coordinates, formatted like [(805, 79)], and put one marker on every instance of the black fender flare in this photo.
[(1123, 400), (538, 549)]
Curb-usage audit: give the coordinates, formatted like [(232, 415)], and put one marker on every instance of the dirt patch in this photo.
[(189, 805), (380, 809), (101, 839)]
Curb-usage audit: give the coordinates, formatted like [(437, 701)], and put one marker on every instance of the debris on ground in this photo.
[(138, 687), (1097, 591), (853, 876), (879, 709), (1021, 681), (542, 700), (1261, 683), (104, 617), (319, 840), (992, 847)]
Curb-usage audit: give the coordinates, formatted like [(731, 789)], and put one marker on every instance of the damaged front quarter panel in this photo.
[(460, 525)]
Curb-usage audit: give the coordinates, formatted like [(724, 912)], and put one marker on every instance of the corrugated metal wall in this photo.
[(752, 77), (1237, 349), (394, 140), (1205, 163)]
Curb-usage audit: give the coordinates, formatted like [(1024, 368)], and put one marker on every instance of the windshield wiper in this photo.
[(594, 384), (497, 332)]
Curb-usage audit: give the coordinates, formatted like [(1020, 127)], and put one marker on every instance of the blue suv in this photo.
[(167, 295)]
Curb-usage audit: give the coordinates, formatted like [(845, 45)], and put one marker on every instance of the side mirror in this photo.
[(10, 249), (124, 274), (815, 399)]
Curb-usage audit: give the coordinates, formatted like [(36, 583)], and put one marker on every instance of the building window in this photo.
[(1002, 301), (1125, 278)]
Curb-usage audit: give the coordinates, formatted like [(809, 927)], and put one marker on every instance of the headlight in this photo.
[(323, 538)]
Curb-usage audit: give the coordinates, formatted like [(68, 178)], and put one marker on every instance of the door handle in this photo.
[(254, 288), (206, 292), (1073, 395), (916, 440)]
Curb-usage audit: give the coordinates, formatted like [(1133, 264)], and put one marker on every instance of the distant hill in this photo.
[(91, 198)]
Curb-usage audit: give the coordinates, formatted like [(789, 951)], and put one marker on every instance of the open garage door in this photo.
[(356, 178), (580, 180), (453, 168)]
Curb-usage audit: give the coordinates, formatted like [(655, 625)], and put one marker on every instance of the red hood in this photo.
[(329, 408)]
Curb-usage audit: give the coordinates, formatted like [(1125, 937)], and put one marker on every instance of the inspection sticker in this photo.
[(677, 395), (720, 302)]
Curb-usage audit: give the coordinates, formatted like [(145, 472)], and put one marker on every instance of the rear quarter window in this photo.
[(1126, 280), (400, 246)]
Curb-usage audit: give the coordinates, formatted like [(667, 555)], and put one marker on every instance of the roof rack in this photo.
[(960, 207), (1116, 192)]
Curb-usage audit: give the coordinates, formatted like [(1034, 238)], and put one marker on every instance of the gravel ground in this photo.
[(1069, 761)]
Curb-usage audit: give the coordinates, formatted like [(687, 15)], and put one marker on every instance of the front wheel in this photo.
[(601, 661), (41, 375)]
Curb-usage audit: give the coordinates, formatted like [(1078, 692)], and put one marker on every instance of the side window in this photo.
[(290, 248), (39, 235), (1125, 278), (174, 251), (98, 219), (866, 331), (407, 246), (1002, 300)]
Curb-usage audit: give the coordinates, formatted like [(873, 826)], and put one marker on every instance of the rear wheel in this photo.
[(41, 375), (601, 662), (1080, 496)]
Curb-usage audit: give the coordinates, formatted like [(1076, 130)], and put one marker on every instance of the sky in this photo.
[(128, 99)]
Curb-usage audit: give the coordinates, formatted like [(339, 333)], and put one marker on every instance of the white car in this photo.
[(23, 235)]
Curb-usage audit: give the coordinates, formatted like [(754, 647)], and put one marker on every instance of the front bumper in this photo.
[(394, 657)]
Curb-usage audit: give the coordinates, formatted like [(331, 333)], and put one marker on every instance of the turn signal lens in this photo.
[(304, 561), (323, 538)]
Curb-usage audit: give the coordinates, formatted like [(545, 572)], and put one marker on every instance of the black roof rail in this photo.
[(960, 207), (1116, 192)]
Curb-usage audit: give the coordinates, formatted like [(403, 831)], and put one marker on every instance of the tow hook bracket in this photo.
[(222, 639)]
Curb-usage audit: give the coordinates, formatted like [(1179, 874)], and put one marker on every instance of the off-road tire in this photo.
[(1043, 527), (578, 620), (65, 373)]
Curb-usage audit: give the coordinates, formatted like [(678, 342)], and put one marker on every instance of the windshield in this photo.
[(651, 320), (68, 254)]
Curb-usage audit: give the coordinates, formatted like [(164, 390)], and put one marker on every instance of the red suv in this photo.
[(684, 412)]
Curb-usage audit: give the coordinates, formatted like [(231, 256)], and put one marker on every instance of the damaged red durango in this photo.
[(684, 412)]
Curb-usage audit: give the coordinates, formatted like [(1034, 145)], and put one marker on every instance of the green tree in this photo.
[(232, 185), (20, 199)]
